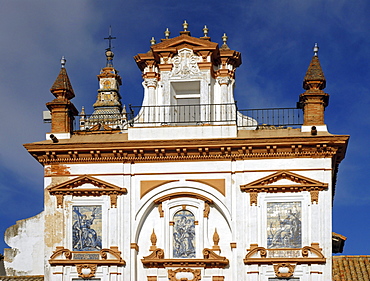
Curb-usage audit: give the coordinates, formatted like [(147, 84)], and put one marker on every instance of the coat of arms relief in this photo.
[(185, 64)]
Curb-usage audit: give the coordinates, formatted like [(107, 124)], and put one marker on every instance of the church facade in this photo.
[(184, 187)]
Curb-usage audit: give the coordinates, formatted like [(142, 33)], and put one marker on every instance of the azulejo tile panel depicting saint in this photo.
[(284, 227), (184, 235), (86, 228)]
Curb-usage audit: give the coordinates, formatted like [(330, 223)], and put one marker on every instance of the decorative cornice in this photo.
[(306, 255), (210, 260), (189, 150), (71, 187), (299, 183)]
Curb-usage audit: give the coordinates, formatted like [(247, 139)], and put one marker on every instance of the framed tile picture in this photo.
[(87, 228), (284, 225)]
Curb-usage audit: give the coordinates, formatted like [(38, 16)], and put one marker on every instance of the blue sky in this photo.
[(274, 37)]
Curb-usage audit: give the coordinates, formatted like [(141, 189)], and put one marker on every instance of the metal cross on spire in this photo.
[(110, 38)]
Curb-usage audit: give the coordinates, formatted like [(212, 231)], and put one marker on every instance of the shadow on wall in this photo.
[(2, 267)]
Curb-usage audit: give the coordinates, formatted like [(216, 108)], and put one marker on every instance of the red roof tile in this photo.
[(351, 268)]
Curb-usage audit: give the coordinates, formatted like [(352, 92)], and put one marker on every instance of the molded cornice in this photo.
[(298, 183), (73, 151), (71, 188)]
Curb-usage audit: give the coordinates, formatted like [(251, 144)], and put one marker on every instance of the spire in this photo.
[(62, 87), (314, 78)]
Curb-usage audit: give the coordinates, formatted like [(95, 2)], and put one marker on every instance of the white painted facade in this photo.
[(167, 167)]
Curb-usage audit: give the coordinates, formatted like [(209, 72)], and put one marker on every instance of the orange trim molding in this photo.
[(306, 255), (183, 194), (71, 188), (62, 256), (210, 260), (299, 183)]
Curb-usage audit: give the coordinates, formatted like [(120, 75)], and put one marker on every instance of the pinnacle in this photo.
[(62, 86), (314, 75)]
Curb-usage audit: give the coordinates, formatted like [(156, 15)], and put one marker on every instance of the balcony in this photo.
[(192, 115)]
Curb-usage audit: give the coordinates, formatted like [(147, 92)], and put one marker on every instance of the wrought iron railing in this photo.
[(185, 115), (193, 114), (277, 117)]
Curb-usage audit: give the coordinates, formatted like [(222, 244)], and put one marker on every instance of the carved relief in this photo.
[(185, 274), (185, 64), (206, 210), (223, 80), (151, 82), (86, 271), (284, 270), (160, 210)]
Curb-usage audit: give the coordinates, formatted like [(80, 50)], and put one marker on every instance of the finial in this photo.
[(316, 50), (224, 38), (63, 62), (153, 239), (167, 33), (205, 31), (185, 25), (216, 237), (108, 53), (152, 41), (110, 38)]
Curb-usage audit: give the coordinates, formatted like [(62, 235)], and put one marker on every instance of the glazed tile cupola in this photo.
[(107, 113)]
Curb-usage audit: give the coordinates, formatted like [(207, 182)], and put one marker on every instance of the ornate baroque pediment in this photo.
[(306, 255), (210, 260), (87, 260), (284, 181), (73, 187), (184, 40)]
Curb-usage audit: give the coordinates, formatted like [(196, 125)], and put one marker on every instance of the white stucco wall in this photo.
[(26, 240)]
